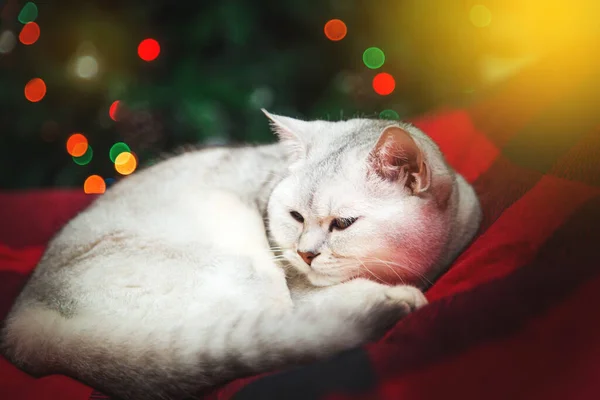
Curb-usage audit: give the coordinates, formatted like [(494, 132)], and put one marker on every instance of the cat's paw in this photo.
[(395, 303), (366, 308), (412, 297)]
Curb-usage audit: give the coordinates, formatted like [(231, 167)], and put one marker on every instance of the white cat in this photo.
[(167, 283)]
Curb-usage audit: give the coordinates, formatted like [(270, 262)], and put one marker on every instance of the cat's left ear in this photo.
[(291, 133), (397, 157)]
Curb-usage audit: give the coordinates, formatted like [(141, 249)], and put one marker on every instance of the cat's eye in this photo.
[(297, 216), (341, 223)]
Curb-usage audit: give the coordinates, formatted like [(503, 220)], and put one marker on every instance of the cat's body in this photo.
[(167, 283)]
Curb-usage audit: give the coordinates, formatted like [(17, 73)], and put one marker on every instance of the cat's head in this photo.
[(362, 198)]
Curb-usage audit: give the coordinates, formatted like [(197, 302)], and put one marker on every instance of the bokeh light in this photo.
[(125, 163), (7, 42), (86, 158), (335, 30), (35, 90), (113, 110), (86, 67), (94, 184), (384, 84), (117, 149), (480, 16), (28, 13), (389, 114), (148, 49), (77, 145), (373, 57), (30, 33)]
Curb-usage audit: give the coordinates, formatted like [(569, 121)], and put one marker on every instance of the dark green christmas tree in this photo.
[(219, 62)]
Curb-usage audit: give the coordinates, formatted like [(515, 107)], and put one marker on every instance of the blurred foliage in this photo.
[(221, 61)]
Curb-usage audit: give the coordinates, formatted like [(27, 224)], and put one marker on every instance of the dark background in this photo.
[(221, 61)]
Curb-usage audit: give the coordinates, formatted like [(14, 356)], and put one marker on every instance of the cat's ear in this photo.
[(291, 133), (397, 157)]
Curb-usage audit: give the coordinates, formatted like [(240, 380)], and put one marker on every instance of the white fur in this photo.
[(167, 283)]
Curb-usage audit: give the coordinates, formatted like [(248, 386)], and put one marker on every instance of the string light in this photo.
[(30, 33), (148, 49), (94, 184), (335, 30), (77, 145), (112, 111), (480, 16), (35, 90), (125, 163), (86, 158), (117, 149), (28, 13), (389, 115), (373, 57), (384, 84)]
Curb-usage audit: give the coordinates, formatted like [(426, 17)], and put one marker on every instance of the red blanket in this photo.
[(516, 316)]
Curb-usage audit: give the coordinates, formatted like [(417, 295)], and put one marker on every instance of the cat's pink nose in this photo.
[(307, 256)]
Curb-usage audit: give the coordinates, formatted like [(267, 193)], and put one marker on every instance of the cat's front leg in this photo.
[(368, 307)]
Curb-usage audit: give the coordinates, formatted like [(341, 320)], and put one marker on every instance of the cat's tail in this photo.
[(177, 359)]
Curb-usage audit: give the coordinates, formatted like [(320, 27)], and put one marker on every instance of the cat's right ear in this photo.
[(396, 157), (290, 132)]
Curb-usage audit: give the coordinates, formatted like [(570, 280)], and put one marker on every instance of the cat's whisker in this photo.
[(388, 267), (407, 268), (371, 272), (391, 268), (415, 272)]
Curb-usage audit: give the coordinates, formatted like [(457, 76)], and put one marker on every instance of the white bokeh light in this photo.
[(86, 67), (8, 40)]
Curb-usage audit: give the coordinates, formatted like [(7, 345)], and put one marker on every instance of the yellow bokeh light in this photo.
[(480, 16), (125, 163)]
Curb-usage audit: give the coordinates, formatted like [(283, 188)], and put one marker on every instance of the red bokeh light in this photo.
[(35, 90), (148, 49), (77, 145), (94, 184), (112, 111), (384, 84), (30, 33), (335, 30)]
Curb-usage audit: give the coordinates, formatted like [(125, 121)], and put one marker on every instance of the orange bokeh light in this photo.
[(335, 30), (125, 163), (112, 111), (94, 184), (148, 49), (30, 33), (77, 145), (35, 90), (384, 84)]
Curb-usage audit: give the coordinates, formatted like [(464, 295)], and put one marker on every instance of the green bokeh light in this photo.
[(117, 149), (28, 13), (373, 57), (389, 114), (85, 158)]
